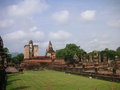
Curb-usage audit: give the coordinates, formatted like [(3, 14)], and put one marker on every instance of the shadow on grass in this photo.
[(11, 75), (9, 82), (20, 88)]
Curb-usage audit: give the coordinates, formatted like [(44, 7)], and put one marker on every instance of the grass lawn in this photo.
[(53, 80)]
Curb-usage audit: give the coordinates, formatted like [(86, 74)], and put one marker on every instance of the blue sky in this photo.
[(91, 24)]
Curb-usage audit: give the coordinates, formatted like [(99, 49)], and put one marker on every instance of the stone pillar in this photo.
[(95, 58), (90, 60), (105, 60), (117, 66), (35, 50), (84, 57), (99, 58), (114, 70), (26, 52), (84, 61), (31, 49), (83, 67), (96, 69)]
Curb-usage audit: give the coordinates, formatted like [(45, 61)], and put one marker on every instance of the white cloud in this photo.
[(100, 43), (27, 7), (115, 24), (20, 35), (16, 40), (61, 17), (88, 15), (60, 35), (20, 26), (6, 23)]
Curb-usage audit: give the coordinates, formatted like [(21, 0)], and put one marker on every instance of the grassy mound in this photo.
[(53, 80)]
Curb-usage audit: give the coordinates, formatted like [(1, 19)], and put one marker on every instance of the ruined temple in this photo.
[(30, 50), (50, 52), (31, 57)]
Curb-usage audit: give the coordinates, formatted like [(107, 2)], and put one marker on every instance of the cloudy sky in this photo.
[(91, 24)]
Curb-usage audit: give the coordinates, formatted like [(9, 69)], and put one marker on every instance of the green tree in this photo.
[(109, 53), (6, 50), (60, 53), (8, 55), (17, 59), (68, 52), (118, 49), (93, 52)]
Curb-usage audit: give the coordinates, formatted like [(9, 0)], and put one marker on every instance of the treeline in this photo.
[(13, 59), (72, 50), (68, 53)]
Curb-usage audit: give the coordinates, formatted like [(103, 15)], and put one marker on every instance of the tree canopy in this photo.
[(118, 49), (8, 55), (17, 59), (68, 52), (72, 49)]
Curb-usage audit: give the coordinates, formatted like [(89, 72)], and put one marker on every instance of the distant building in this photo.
[(49, 51), (31, 56), (30, 50)]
